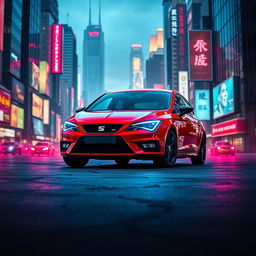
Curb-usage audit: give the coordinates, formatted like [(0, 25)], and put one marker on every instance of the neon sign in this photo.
[(57, 49), (200, 55), (93, 33)]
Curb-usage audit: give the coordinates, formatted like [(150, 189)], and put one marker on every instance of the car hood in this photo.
[(112, 116)]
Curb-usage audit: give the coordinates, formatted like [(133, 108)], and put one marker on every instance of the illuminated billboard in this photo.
[(5, 106), (174, 22), (35, 77), (44, 78), (136, 64), (38, 127), (58, 127), (57, 44), (223, 98), (200, 55), (202, 104), (17, 117), (18, 93), (138, 82), (183, 83), (2, 25), (37, 106), (46, 118)]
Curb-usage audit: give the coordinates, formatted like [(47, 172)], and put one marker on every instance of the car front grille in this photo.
[(102, 128), (101, 144)]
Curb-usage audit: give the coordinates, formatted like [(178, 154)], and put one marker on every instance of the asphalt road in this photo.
[(49, 209)]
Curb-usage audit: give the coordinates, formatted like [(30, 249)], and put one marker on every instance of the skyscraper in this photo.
[(136, 67), (68, 78), (93, 60), (155, 63)]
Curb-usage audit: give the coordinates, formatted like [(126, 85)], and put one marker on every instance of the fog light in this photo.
[(64, 146), (148, 145)]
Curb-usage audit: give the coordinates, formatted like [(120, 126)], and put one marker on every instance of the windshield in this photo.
[(42, 144), (132, 101), (8, 144), (222, 143)]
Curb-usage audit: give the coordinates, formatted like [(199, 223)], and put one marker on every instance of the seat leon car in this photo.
[(156, 125)]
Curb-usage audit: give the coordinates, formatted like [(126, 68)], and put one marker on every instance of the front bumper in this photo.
[(125, 143)]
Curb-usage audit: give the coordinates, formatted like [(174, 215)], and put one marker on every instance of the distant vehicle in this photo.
[(26, 149), (43, 148), (222, 147), (156, 125), (11, 148)]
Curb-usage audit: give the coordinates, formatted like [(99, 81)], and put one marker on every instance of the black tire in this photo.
[(200, 158), (122, 162), (75, 162), (171, 150)]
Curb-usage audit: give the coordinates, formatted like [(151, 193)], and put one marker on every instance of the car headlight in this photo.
[(68, 126), (147, 125)]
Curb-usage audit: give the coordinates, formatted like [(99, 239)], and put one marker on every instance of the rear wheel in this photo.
[(200, 158), (75, 162), (122, 162), (170, 156)]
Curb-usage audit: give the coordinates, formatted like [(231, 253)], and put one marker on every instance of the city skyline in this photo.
[(117, 76)]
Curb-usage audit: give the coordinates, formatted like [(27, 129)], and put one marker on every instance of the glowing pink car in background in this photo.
[(222, 147)]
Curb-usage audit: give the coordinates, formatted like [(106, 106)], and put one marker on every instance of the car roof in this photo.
[(143, 90)]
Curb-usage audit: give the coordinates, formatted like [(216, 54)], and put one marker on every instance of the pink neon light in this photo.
[(57, 49), (94, 33)]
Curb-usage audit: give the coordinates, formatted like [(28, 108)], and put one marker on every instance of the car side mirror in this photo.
[(79, 109), (185, 110)]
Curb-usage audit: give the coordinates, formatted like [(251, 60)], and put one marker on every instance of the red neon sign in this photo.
[(234, 126), (200, 46), (2, 24), (57, 49), (94, 33)]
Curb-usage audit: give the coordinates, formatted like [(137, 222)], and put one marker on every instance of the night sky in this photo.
[(124, 22)]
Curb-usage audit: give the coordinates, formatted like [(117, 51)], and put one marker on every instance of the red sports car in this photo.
[(223, 147), (43, 148), (138, 124)]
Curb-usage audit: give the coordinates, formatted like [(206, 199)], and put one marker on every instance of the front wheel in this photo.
[(200, 158), (170, 156), (76, 162)]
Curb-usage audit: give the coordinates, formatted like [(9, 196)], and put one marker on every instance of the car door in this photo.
[(195, 127), (185, 128)]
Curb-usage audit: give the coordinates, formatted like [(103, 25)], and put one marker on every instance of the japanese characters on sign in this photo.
[(182, 37), (5, 106), (202, 104), (57, 44), (200, 47), (174, 22)]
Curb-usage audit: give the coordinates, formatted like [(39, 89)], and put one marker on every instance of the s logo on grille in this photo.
[(101, 128)]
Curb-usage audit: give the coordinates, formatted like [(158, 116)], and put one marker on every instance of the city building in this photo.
[(155, 63), (12, 90), (49, 81), (136, 67), (234, 94), (176, 41), (68, 80), (167, 43), (93, 60)]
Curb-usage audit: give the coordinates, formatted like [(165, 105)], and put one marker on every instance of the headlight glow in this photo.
[(147, 125), (68, 126)]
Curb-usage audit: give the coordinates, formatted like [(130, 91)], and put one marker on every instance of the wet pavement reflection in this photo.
[(138, 210)]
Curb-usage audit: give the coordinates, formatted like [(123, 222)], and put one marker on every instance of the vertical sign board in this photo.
[(200, 55), (174, 22), (5, 106), (183, 83), (202, 104), (182, 37), (44, 78), (2, 25), (57, 45)]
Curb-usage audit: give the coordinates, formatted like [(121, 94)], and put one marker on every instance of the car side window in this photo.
[(175, 109)]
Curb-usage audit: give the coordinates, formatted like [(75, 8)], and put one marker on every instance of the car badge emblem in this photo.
[(101, 128)]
